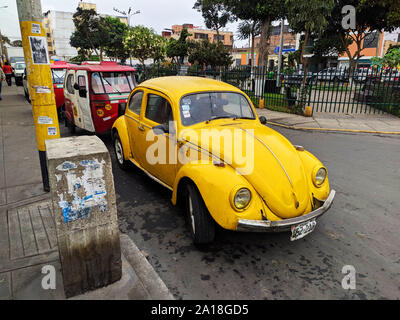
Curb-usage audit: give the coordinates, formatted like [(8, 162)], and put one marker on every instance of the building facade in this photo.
[(59, 26), (226, 37)]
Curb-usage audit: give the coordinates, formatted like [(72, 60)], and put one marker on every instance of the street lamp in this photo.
[(127, 15)]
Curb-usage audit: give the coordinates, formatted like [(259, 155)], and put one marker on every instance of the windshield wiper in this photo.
[(111, 85), (217, 117), (250, 118)]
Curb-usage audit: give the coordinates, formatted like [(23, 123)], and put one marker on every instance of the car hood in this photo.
[(269, 163)]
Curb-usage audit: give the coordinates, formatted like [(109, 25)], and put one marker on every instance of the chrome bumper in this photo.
[(285, 224)]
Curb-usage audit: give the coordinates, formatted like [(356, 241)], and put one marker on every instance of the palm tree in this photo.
[(249, 29)]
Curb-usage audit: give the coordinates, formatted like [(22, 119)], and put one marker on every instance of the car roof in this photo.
[(104, 66), (178, 86), (61, 65)]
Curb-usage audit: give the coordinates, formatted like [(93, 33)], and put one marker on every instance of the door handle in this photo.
[(141, 128)]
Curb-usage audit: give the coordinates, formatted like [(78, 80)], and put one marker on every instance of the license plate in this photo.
[(303, 229)]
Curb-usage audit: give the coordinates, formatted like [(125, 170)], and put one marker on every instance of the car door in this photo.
[(157, 152), (83, 101), (132, 113)]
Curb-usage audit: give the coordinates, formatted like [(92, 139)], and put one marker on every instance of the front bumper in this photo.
[(285, 224)]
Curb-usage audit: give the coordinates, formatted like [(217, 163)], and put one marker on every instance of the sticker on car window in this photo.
[(186, 101), (186, 114), (185, 107)]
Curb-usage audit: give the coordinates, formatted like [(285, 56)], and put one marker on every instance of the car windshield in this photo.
[(112, 82), (20, 66), (16, 59), (206, 106), (58, 75)]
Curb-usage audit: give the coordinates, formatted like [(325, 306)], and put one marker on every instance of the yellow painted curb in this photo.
[(330, 129)]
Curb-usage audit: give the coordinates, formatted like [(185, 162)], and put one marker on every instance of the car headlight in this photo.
[(320, 176), (242, 198)]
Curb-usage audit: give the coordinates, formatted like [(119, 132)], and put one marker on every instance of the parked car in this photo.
[(332, 74), (284, 189), (26, 87), (297, 77), (15, 60), (93, 94), (19, 68), (390, 76)]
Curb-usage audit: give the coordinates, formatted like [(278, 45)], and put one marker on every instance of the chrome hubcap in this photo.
[(191, 213), (118, 151)]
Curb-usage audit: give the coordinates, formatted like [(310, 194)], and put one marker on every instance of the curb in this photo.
[(331, 129), (149, 278)]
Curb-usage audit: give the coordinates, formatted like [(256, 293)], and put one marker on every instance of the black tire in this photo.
[(119, 152), (201, 224), (71, 126)]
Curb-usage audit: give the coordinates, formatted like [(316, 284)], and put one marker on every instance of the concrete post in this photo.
[(83, 196)]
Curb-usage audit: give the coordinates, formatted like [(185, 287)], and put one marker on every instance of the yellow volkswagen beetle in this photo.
[(203, 140)]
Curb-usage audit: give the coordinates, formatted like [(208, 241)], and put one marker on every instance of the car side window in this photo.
[(158, 109), (135, 103), (69, 86)]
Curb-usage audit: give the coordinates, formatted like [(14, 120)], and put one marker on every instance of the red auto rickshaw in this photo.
[(94, 92), (58, 70)]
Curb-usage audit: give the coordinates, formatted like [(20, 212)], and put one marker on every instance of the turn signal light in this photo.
[(100, 112)]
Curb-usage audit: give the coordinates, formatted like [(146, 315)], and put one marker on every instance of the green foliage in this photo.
[(80, 58), (116, 30), (143, 43), (210, 53), (89, 32), (178, 49), (392, 58), (214, 12)]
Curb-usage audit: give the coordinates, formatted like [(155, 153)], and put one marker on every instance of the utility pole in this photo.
[(278, 78), (40, 83)]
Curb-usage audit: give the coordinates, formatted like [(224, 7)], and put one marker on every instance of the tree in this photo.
[(309, 17), (89, 34), (264, 11), (249, 29), (209, 53), (115, 30), (143, 43), (178, 49), (392, 58), (16, 43), (372, 17), (215, 14)]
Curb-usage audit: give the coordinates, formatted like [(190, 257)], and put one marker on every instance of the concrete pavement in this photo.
[(27, 232), (366, 123)]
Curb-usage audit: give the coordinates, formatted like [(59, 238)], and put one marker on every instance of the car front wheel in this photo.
[(202, 225), (119, 153)]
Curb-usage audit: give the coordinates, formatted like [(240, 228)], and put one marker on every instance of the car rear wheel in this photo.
[(202, 225), (71, 126), (119, 153)]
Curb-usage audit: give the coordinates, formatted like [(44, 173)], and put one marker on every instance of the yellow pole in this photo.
[(39, 78)]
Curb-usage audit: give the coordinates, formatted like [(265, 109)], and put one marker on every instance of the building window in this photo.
[(200, 36), (371, 40), (221, 37)]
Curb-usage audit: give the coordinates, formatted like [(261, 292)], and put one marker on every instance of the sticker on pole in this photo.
[(40, 54), (45, 120), (36, 28), (52, 131), (42, 89)]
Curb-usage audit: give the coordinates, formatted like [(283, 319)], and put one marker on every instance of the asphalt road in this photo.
[(361, 229)]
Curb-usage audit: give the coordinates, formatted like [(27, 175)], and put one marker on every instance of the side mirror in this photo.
[(263, 120), (76, 86), (161, 129), (121, 109)]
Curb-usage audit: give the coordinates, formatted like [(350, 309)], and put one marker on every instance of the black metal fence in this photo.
[(367, 90)]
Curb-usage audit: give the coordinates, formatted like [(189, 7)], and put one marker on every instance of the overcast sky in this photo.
[(157, 14)]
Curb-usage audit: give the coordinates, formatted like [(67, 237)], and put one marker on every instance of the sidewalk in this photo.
[(27, 231), (368, 123)]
